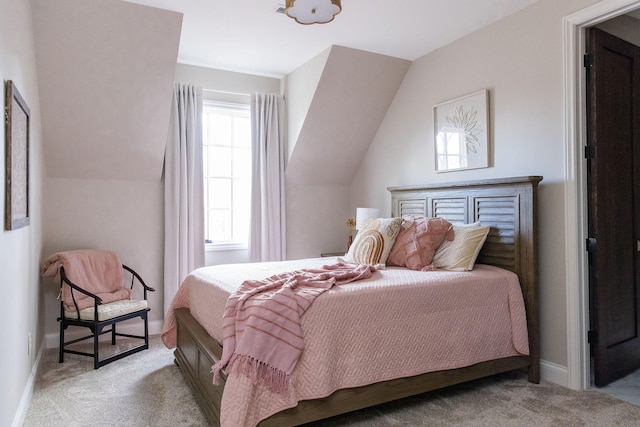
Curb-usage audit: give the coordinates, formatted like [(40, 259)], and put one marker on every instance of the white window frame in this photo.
[(235, 108)]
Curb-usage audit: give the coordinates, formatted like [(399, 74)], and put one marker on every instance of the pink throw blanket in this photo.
[(96, 271), (261, 325)]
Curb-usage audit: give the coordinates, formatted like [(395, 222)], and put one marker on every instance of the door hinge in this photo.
[(589, 152), (592, 337), (591, 244), (588, 60)]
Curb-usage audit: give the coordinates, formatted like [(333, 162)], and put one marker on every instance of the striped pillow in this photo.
[(374, 241)]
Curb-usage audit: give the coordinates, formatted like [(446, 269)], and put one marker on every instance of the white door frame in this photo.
[(578, 353)]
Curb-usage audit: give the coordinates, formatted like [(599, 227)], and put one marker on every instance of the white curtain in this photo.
[(268, 237), (183, 190)]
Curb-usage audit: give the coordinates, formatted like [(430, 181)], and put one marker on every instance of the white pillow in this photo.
[(460, 253), (374, 241)]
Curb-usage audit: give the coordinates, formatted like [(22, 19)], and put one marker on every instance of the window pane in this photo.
[(219, 161), (220, 193), (241, 208), (242, 191), (205, 161), (241, 226), (241, 163), (227, 172), (205, 128), (219, 225), (242, 132), (221, 129), (206, 193)]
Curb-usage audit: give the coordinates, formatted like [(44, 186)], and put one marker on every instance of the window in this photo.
[(227, 174)]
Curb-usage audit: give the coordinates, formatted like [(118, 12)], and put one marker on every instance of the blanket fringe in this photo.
[(259, 372)]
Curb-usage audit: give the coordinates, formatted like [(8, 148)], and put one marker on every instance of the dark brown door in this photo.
[(613, 179)]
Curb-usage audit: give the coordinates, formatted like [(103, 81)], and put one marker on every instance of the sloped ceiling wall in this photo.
[(300, 88), (351, 98), (106, 72)]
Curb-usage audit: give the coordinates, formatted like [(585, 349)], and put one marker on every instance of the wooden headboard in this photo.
[(509, 206)]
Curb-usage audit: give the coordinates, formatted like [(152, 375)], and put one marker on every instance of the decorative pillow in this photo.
[(374, 241), (460, 254), (418, 240)]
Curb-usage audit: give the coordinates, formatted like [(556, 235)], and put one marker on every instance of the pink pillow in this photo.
[(417, 242)]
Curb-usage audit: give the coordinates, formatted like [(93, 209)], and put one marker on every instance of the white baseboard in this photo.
[(556, 374), (52, 340), (23, 406)]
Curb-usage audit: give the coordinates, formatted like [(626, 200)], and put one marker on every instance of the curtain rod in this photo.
[(226, 92)]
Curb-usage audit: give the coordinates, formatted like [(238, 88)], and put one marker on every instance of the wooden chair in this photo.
[(99, 308)]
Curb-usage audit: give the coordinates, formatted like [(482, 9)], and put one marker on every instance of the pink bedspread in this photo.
[(396, 324)]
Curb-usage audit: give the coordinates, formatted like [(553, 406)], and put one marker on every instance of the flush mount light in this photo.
[(313, 11)]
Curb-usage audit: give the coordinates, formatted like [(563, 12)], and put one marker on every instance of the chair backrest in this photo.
[(96, 271)]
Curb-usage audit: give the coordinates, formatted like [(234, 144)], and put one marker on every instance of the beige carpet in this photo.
[(144, 389), (147, 389)]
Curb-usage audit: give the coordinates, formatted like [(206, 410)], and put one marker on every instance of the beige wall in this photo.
[(123, 216), (20, 250), (226, 86), (316, 219), (520, 61)]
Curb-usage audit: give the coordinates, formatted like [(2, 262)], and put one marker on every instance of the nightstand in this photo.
[(329, 254)]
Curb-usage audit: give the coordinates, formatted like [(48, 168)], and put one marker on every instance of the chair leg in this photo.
[(146, 329), (96, 360), (113, 334), (61, 349)]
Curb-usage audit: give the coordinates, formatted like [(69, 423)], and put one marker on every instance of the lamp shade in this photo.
[(365, 213), (313, 11)]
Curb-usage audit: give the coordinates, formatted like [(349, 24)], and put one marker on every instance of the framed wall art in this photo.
[(17, 159), (461, 133)]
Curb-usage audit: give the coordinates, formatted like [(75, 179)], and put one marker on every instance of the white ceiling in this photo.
[(250, 36)]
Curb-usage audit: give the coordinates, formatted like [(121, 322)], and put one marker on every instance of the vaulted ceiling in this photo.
[(106, 70), (250, 36)]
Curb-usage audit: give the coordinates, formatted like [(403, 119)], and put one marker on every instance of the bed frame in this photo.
[(508, 205)]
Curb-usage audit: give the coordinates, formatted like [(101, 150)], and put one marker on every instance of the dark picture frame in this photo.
[(17, 127)]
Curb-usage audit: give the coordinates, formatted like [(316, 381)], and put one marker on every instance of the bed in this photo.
[(507, 205)]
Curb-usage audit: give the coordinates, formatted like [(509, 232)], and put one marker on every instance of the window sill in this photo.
[(231, 246)]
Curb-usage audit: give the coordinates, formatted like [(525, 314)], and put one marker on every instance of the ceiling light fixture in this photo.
[(313, 11)]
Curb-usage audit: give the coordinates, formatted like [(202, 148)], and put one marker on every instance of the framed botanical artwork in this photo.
[(17, 159), (461, 133)]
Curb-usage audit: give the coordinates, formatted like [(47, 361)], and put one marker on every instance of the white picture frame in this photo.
[(461, 137)]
